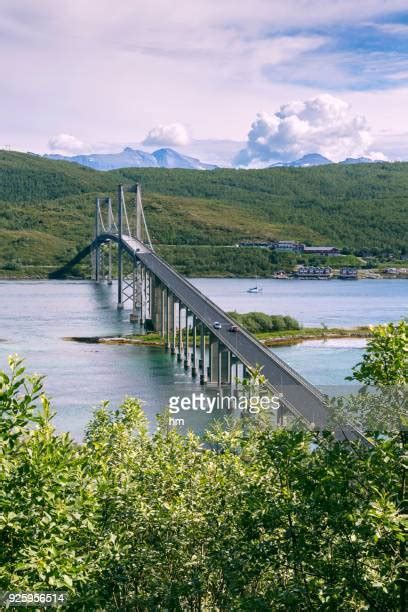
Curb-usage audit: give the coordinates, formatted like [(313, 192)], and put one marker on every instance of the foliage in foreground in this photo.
[(382, 403), (385, 361), (254, 519)]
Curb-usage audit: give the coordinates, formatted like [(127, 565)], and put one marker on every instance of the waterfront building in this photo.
[(347, 273), (314, 272)]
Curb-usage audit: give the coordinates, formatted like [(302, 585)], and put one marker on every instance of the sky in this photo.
[(229, 81)]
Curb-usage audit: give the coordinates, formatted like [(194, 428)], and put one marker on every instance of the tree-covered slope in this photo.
[(31, 178), (362, 208)]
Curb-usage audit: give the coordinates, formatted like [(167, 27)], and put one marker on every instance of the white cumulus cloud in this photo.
[(65, 143), (322, 125), (169, 135)]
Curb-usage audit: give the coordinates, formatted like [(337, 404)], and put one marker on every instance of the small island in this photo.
[(271, 330)]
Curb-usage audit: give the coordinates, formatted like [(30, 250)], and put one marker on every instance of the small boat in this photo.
[(256, 288)]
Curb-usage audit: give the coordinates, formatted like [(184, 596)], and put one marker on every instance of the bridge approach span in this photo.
[(302, 399)]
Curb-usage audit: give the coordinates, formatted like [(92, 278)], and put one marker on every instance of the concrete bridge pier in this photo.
[(187, 342), (163, 306), (223, 365), (120, 280), (110, 226), (101, 264), (139, 294), (142, 319), (180, 332), (120, 248), (194, 360), (151, 298), (167, 313), (109, 263), (173, 341), (202, 361), (134, 314), (97, 252), (234, 372), (219, 368), (213, 350), (148, 311), (156, 297), (170, 322)]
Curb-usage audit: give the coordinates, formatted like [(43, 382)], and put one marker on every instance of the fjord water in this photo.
[(37, 316)]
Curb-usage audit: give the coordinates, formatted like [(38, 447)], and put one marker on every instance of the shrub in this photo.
[(257, 322), (245, 518)]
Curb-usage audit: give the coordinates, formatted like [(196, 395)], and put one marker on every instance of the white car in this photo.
[(217, 325)]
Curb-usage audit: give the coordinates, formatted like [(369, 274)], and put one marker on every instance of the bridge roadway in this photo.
[(299, 396)]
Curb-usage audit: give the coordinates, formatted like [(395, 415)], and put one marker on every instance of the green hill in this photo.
[(46, 212)]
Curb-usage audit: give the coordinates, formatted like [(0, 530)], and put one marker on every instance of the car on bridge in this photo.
[(217, 325), (233, 328)]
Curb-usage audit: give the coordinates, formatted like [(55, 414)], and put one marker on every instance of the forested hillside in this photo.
[(46, 210)]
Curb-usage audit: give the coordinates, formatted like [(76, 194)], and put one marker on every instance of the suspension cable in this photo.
[(101, 218)]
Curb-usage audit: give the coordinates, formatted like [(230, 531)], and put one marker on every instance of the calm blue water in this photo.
[(35, 316), (335, 303)]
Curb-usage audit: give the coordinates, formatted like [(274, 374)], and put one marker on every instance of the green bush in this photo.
[(291, 323), (257, 322), (277, 520), (245, 518)]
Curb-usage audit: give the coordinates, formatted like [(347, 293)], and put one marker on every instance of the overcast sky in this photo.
[(279, 77)]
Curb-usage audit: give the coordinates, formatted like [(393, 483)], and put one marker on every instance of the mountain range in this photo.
[(169, 158), (315, 159), (134, 158)]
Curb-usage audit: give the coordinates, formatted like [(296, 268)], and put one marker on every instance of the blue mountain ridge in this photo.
[(169, 158), (134, 158), (315, 159)]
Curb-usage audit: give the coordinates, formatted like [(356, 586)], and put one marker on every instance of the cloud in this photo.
[(65, 143), (319, 125), (170, 135), (393, 145), (397, 29), (198, 61)]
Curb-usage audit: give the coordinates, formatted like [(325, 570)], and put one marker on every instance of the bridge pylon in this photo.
[(124, 224)]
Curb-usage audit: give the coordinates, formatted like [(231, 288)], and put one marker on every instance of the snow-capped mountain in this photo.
[(311, 159), (315, 159), (134, 158), (169, 158), (360, 160)]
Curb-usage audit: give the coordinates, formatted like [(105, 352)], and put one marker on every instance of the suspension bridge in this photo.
[(196, 331)]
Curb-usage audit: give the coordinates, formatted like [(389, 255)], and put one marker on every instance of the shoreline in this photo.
[(290, 341), (291, 338), (379, 276)]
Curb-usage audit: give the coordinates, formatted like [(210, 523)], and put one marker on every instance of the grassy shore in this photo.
[(295, 336)]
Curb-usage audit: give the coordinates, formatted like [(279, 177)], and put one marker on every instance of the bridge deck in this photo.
[(302, 398)]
